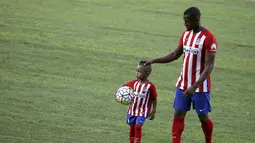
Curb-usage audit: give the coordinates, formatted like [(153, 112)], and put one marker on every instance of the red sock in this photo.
[(208, 130), (138, 133), (132, 134), (177, 129)]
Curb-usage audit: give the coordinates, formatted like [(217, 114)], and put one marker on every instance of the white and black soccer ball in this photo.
[(124, 95)]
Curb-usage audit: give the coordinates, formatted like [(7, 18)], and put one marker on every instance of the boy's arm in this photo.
[(129, 83), (154, 102), (154, 108)]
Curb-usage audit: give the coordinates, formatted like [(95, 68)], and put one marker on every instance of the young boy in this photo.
[(145, 99)]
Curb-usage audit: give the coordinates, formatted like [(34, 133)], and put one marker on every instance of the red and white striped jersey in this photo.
[(142, 102), (195, 45)]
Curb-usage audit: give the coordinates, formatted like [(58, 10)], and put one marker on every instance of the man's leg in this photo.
[(207, 126), (202, 105), (178, 125), (181, 105)]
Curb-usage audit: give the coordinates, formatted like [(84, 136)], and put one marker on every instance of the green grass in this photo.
[(62, 60)]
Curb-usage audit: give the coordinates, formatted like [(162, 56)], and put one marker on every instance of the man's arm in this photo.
[(209, 65), (169, 57)]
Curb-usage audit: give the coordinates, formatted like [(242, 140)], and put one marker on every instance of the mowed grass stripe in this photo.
[(61, 62)]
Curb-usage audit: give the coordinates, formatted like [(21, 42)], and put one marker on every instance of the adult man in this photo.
[(198, 46)]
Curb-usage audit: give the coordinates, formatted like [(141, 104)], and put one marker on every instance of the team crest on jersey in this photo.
[(197, 41)]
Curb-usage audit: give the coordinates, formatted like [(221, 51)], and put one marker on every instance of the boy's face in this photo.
[(140, 73)]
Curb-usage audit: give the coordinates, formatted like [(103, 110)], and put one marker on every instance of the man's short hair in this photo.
[(193, 11)]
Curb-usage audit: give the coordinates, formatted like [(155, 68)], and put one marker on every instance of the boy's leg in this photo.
[(131, 122), (202, 105), (138, 128), (181, 105), (132, 134), (138, 133)]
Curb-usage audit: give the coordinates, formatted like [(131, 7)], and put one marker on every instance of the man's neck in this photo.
[(198, 29)]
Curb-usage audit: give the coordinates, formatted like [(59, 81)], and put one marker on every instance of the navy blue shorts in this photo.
[(132, 120), (200, 101)]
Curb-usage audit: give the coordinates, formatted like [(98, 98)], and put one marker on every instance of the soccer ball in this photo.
[(124, 95)]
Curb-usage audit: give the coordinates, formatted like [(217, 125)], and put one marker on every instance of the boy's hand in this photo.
[(152, 115)]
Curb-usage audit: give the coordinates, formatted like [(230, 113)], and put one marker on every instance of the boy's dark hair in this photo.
[(193, 11), (147, 67)]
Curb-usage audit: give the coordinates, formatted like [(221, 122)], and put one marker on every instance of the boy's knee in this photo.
[(138, 127)]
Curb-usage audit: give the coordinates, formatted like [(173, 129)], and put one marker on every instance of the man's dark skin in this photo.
[(191, 22)]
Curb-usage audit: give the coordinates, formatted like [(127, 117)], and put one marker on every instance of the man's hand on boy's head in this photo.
[(146, 62)]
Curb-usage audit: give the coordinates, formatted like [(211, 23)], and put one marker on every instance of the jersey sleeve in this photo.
[(181, 40), (211, 44), (154, 93), (130, 83)]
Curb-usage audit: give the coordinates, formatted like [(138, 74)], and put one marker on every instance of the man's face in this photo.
[(190, 22)]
